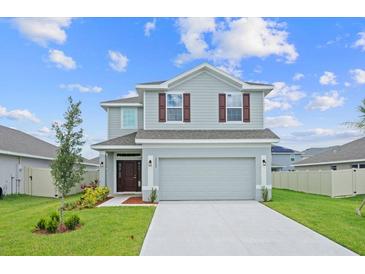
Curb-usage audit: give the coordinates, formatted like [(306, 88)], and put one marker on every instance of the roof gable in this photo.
[(208, 68)]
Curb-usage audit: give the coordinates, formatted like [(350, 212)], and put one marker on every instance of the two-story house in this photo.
[(197, 136)]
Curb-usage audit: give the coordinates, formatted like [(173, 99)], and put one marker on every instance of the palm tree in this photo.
[(360, 125)]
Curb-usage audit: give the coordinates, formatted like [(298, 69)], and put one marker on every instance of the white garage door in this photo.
[(207, 179)]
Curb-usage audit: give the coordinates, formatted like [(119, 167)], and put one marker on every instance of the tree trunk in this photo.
[(62, 208), (358, 210)]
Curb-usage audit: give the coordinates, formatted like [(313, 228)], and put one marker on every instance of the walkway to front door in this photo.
[(128, 175), (231, 228)]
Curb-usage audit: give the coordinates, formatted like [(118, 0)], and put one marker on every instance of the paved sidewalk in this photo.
[(116, 201), (231, 228)]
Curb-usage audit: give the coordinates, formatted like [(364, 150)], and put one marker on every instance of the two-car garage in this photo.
[(217, 178)]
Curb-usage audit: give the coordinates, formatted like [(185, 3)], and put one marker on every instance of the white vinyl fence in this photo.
[(332, 183), (39, 182)]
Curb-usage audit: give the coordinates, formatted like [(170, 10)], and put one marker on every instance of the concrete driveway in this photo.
[(231, 228)]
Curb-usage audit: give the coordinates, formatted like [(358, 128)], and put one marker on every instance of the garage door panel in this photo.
[(207, 178)]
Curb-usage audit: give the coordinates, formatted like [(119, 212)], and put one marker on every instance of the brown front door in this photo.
[(128, 175)]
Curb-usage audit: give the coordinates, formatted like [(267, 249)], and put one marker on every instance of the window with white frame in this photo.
[(234, 107), (174, 106), (129, 118)]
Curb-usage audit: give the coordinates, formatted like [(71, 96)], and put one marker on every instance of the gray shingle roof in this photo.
[(19, 142), (206, 134), (153, 83), (120, 141), (123, 100), (351, 151)]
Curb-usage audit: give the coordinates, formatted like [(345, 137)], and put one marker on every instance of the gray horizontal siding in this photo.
[(115, 125), (204, 90)]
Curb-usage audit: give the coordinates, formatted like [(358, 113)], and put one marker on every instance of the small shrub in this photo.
[(51, 226), (55, 217), (72, 222), (41, 224), (92, 196), (93, 184), (265, 193), (70, 205), (153, 195)]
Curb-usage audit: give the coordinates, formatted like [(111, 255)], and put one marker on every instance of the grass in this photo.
[(334, 218), (105, 231)]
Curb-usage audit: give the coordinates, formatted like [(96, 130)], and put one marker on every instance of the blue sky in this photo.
[(317, 66)]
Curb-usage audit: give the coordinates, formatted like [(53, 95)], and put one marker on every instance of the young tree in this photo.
[(67, 169), (360, 125)]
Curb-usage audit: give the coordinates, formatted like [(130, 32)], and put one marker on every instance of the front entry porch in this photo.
[(128, 176)]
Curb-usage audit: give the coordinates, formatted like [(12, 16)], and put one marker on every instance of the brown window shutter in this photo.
[(162, 107), (222, 107), (246, 107), (186, 107)]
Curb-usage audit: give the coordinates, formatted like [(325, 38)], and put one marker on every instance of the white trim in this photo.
[(122, 118), (121, 105), (144, 111), (149, 187), (25, 155), (212, 128), (182, 106), (115, 173), (331, 162), (115, 147), (5, 152), (260, 186), (205, 141), (150, 169), (241, 107), (263, 170)]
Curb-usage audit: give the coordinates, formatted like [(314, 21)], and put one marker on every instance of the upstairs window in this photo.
[(234, 107), (129, 118), (174, 107), (292, 157)]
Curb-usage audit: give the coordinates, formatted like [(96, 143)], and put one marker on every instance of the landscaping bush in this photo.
[(41, 224), (55, 217), (153, 195), (72, 222), (70, 205), (92, 196), (51, 226), (93, 184)]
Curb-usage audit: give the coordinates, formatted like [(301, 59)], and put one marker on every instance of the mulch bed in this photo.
[(45, 232), (137, 201)]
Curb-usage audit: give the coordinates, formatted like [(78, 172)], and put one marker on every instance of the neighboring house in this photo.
[(197, 136), (347, 156), (309, 152), (283, 158), (19, 150)]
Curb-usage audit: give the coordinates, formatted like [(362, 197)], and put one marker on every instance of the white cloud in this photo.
[(328, 78), (291, 93), (82, 88), (61, 60), (298, 76), (284, 121), (271, 104), (118, 61), (18, 114), (282, 96), (316, 133), (192, 31), (43, 30), (231, 69), (358, 75), (232, 40), (149, 27), (360, 43), (45, 130), (131, 93), (347, 84), (327, 101)]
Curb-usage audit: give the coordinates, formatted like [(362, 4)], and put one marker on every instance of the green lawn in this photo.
[(334, 218), (106, 231)]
